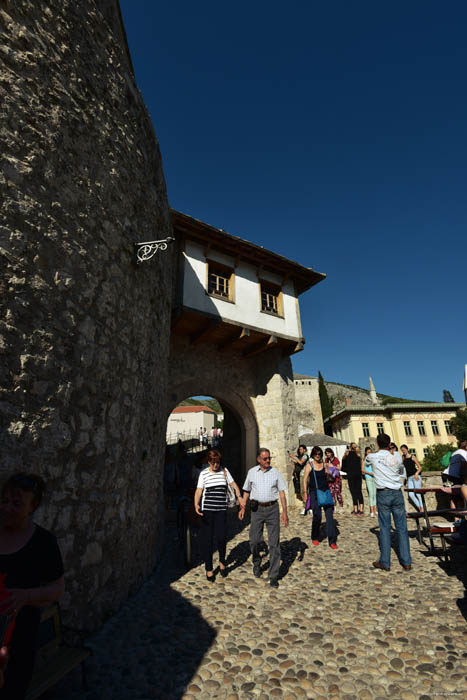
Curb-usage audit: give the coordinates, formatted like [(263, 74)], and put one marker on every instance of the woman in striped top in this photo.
[(211, 504)]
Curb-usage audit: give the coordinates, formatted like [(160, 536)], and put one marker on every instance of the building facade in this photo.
[(186, 421), (235, 324), (418, 425)]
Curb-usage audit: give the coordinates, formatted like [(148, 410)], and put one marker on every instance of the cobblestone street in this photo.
[(336, 627)]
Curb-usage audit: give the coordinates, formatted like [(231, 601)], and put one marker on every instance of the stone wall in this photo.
[(309, 414), (83, 333)]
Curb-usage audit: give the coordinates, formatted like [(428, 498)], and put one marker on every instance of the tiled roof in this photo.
[(193, 409), (312, 439), (407, 407)]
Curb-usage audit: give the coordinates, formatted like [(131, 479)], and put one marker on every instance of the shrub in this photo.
[(431, 463)]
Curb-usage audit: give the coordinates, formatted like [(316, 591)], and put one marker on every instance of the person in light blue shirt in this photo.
[(264, 486), (388, 470)]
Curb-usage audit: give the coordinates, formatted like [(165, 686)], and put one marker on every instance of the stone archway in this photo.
[(259, 391), (237, 404)]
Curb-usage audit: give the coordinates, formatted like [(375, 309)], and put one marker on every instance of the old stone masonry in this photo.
[(336, 629)]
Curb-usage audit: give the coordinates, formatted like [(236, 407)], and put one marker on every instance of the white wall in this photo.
[(246, 309), (189, 422)]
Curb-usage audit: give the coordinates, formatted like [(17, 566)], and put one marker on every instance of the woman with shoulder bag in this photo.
[(211, 501), (316, 491)]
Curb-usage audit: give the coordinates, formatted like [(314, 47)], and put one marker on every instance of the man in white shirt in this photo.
[(387, 470), (264, 486)]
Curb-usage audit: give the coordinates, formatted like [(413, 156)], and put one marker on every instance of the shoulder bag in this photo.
[(231, 497), (324, 498)]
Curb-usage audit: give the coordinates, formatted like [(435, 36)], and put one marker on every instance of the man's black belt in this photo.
[(267, 503)]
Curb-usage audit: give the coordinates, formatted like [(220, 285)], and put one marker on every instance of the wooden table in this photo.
[(451, 490)]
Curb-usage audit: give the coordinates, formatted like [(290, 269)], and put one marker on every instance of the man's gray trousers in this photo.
[(269, 516)]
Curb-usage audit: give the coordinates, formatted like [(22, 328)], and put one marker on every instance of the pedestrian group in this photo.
[(317, 480)]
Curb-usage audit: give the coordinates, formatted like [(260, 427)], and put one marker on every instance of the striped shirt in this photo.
[(214, 487), (264, 486)]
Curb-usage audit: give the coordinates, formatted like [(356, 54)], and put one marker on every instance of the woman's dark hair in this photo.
[(328, 449), (26, 482), (214, 453), (402, 446), (393, 446), (316, 451), (303, 447), (367, 449)]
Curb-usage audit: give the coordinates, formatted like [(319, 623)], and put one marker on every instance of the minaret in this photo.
[(373, 397)]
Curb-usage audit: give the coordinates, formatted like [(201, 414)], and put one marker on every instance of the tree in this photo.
[(326, 403), (432, 461), (459, 424)]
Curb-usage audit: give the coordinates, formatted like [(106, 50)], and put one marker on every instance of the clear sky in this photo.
[(333, 133)]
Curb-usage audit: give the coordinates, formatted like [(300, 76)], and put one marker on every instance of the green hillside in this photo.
[(211, 403)]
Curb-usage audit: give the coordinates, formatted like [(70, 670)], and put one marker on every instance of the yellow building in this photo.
[(417, 425)]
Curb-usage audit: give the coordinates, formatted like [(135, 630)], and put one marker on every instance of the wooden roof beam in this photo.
[(236, 337), (268, 344), (203, 335)]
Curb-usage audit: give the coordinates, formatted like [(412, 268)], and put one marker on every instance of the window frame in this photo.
[(276, 290), (435, 427), (212, 265), (421, 428), (380, 428), (448, 427), (366, 427), (407, 428)]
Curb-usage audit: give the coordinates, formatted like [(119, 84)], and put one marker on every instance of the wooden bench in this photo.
[(54, 659), (442, 531), (416, 515)]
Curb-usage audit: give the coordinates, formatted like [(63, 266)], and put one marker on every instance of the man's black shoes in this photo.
[(274, 583), (257, 571)]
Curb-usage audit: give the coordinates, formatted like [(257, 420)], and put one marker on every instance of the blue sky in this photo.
[(333, 133)]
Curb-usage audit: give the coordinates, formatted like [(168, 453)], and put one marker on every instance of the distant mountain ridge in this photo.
[(358, 395)]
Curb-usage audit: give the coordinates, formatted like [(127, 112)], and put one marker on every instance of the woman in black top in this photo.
[(32, 565), (351, 464), (413, 471), (316, 476)]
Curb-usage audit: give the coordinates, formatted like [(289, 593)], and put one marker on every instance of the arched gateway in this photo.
[(236, 321)]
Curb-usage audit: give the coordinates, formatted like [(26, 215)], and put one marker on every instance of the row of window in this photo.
[(421, 427), (221, 286), (413, 451), (408, 428)]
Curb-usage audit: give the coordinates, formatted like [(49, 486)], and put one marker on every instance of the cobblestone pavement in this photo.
[(335, 629)]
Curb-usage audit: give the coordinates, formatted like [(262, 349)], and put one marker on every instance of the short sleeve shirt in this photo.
[(264, 486), (36, 564), (214, 485), (388, 469)]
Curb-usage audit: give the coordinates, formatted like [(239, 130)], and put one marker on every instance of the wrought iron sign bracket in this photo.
[(145, 251)]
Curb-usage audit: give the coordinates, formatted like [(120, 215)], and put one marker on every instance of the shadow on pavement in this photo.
[(290, 549)]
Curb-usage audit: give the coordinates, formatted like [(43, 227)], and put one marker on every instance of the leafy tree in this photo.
[(459, 424), (432, 461), (327, 404)]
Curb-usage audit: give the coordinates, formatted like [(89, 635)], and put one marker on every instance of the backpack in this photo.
[(445, 459)]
